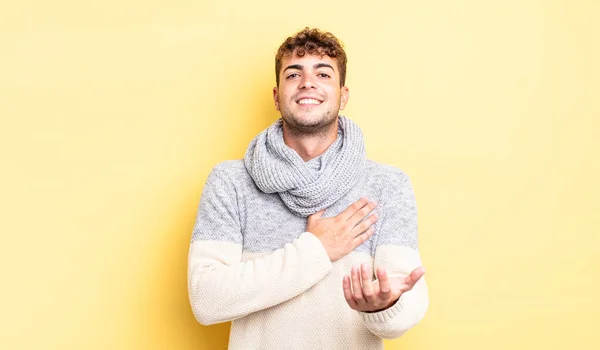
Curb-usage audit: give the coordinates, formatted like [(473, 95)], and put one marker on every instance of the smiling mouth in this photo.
[(309, 101)]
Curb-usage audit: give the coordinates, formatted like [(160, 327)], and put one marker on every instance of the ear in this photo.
[(276, 97), (344, 95)]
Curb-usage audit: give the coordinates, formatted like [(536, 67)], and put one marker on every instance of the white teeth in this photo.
[(308, 101)]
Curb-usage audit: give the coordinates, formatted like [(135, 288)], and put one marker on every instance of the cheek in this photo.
[(286, 98), (334, 91)]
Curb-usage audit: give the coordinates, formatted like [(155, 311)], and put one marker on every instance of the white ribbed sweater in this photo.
[(251, 262)]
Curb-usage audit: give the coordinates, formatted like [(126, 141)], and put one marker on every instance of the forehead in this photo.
[(308, 61)]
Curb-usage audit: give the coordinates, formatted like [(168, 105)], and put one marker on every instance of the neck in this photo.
[(312, 145)]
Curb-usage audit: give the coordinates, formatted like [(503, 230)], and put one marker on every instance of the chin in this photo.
[(309, 124)]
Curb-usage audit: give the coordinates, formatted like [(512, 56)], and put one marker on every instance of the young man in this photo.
[(306, 244)]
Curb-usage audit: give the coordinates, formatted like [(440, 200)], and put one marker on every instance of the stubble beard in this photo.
[(297, 127), (319, 127)]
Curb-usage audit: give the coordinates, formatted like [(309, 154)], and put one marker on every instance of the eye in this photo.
[(293, 75), (324, 75)]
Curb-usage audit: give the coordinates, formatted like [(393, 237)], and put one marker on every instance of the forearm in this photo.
[(412, 305), (400, 317), (222, 288)]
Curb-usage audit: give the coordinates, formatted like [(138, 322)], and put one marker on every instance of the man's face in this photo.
[(309, 95)]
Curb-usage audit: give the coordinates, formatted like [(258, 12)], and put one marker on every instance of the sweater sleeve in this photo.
[(221, 286), (396, 250)]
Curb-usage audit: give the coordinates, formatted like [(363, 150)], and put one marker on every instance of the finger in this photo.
[(348, 292), (362, 238), (361, 213), (356, 287), (376, 291), (413, 278), (353, 208), (317, 215), (363, 226), (367, 282), (385, 288)]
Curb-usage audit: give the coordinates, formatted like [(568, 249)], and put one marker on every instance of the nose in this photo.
[(307, 82)]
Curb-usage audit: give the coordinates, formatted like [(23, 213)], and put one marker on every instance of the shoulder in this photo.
[(230, 170), (231, 176), (384, 175), (230, 167)]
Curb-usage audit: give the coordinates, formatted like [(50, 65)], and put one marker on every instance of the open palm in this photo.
[(363, 294)]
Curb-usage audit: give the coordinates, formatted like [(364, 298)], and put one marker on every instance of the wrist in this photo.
[(384, 308)]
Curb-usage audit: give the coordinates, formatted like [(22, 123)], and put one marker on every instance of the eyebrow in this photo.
[(316, 66)]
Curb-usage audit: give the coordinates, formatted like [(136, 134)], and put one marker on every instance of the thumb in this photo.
[(415, 275)]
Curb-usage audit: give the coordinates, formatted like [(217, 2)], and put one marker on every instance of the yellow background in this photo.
[(114, 112)]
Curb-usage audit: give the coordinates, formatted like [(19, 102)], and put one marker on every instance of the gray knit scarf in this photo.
[(306, 187)]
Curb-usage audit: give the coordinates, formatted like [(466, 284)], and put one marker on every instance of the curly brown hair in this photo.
[(312, 42)]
